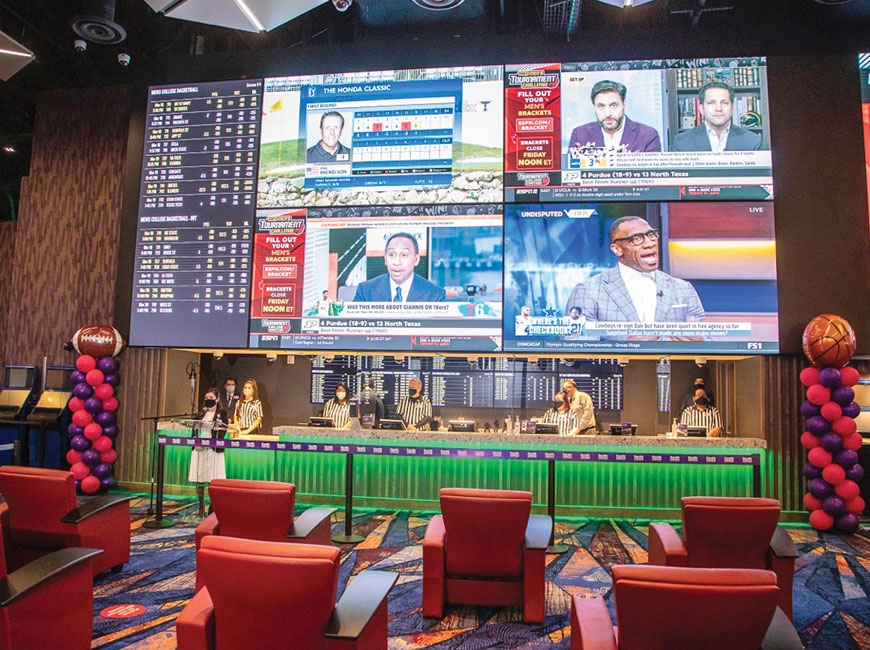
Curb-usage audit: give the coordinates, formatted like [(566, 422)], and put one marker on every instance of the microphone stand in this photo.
[(159, 522)]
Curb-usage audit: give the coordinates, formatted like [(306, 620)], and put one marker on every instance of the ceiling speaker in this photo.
[(98, 25), (438, 5)]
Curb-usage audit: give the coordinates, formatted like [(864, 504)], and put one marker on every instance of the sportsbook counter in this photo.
[(627, 476)]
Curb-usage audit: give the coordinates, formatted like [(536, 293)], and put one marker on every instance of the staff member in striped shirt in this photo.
[(249, 411), (562, 415), (701, 414), (338, 407), (415, 409)]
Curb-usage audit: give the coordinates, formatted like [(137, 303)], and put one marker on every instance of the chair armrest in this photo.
[(781, 544), (208, 526), (538, 531), (591, 627), (435, 532), (359, 602), (194, 627), (665, 546), (41, 570), (305, 523), (92, 507), (781, 635)]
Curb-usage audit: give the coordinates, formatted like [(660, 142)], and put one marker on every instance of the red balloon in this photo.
[(104, 391), (853, 442), (834, 474), (820, 458), (111, 404), (82, 418), (80, 470), (109, 456), (821, 520), (73, 456), (95, 377), (810, 376), (86, 363), (831, 411), (855, 506), (90, 485), (817, 394), (847, 490), (812, 503), (849, 376), (75, 404), (104, 443), (93, 431), (810, 441), (844, 426)]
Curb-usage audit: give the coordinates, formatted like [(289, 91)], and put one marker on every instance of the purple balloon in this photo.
[(78, 485), (101, 470), (847, 523), (105, 418), (810, 471), (829, 377), (75, 430), (76, 376), (852, 410), (820, 488), (113, 379), (90, 457), (108, 365), (855, 473), (83, 390), (108, 482), (808, 409), (842, 395), (832, 442), (111, 431), (846, 458), (817, 425), (834, 505), (80, 443), (93, 405)]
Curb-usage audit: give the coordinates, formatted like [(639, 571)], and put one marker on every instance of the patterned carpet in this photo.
[(136, 608)]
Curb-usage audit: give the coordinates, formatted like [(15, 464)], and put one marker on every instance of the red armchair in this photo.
[(281, 596), (49, 602), (43, 514), (261, 510), (729, 532), (679, 608), (485, 548)]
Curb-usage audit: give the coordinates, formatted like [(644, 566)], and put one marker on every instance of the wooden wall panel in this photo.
[(7, 254)]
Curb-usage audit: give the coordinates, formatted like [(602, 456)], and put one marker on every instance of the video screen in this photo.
[(640, 277), (406, 278), (864, 74), (396, 137), (665, 130)]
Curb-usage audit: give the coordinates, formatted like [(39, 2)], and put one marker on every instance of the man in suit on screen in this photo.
[(400, 283), (635, 290), (716, 132), (612, 128)]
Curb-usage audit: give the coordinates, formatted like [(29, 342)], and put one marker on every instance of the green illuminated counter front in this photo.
[(627, 476)]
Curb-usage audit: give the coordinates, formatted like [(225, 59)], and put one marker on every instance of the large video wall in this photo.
[(462, 209)]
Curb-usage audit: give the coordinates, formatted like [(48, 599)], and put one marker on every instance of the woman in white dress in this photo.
[(207, 463)]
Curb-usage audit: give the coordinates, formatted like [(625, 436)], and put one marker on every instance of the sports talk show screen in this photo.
[(284, 213)]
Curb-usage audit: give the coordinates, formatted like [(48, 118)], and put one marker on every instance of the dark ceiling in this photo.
[(43, 26)]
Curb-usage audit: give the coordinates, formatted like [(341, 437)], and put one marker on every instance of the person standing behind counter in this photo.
[(231, 400), (249, 411), (206, 463), (415, 409), (581, 404), (702, 415), (338, 407), (562, 415)]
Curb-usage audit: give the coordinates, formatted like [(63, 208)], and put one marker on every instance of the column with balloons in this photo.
[(831, 437), (94, 407)]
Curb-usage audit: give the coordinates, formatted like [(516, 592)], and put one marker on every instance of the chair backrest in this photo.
[(253, 509), (485, 531), (728, 531), (37, 499), (680, 608), (269, 594)]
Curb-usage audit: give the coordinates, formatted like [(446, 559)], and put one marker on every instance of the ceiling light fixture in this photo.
[(245, 9), (342, 5)]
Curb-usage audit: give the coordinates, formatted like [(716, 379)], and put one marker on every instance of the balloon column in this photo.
[(831, 437), (93, 407)]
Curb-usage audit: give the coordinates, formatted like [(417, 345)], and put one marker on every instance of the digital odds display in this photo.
[(462, 209)]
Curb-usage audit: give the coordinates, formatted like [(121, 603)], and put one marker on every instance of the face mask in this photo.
[(341, 394), (231, 390), (701, 401), (209, 403)]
